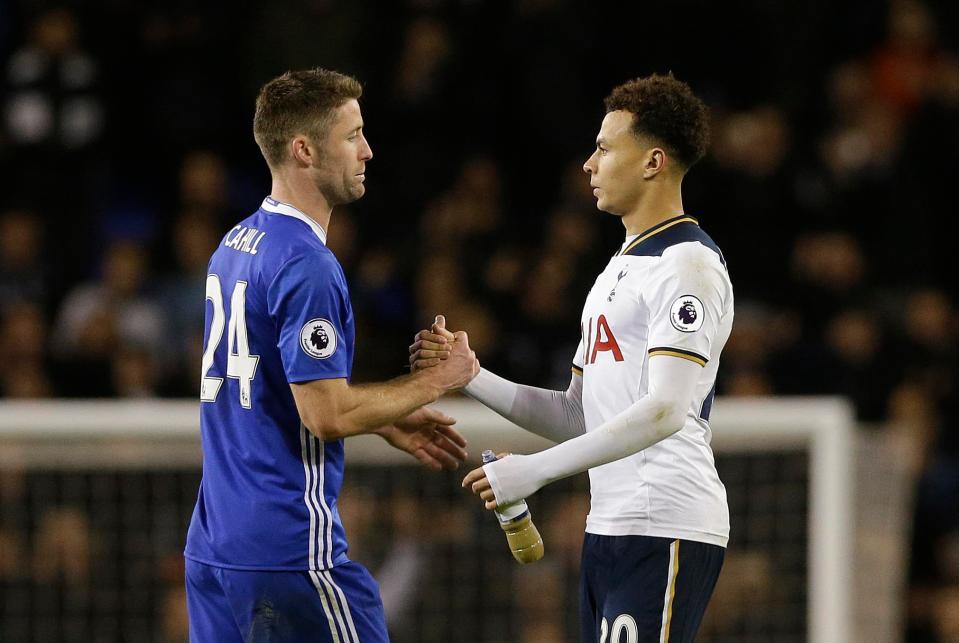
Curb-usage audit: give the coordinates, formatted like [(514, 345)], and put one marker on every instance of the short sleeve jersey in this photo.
[(277, 312), (665, 293)]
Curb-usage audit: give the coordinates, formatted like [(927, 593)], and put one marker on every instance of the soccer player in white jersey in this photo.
[(266, 551), (636, 413)]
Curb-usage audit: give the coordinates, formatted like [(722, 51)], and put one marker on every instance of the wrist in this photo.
[(430, 380), (474, 385)]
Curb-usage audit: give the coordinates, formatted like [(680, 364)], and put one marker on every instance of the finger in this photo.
[(450, 447), (480, 486), (420, 364), (488, 496), (430, 343), (426, 459), (433, 336), (441, 332), (491, 505), (442, 456), (439, 326), (430, 354), (453, 435), (436, 416), (473, 476)]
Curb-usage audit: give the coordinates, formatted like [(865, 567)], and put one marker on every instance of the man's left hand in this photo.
[(477, 482), (428, 435)]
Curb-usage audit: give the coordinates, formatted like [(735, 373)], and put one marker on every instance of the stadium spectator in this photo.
[(50, 98), (24, 275), (180, 296), (23, 351), (98, 316), (52, 114)]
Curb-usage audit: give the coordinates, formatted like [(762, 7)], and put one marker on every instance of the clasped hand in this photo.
[(429, 348)]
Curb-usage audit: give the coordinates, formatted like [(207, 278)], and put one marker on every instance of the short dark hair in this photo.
[(666, 110), (298, 102)]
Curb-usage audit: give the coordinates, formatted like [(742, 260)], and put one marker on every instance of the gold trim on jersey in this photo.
[(656, 229), (670, 590), (577, 370), (678, 352)]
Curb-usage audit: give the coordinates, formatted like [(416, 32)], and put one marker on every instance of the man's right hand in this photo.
[(430, 347), (449, 353)]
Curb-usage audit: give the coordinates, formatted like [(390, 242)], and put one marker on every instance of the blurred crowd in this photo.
[(126, 153)]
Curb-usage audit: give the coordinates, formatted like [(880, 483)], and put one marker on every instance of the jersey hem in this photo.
[(301, 379), (709, 538), (340, 560)]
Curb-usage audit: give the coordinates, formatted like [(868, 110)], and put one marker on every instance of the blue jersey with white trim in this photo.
[(277, 312)]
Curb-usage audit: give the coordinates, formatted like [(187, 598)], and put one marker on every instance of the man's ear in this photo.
[(655, 162), (302, 151)]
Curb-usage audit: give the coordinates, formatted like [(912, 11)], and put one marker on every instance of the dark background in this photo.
[(126, 152)]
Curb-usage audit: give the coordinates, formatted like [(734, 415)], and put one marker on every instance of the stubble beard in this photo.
[(341, 194)]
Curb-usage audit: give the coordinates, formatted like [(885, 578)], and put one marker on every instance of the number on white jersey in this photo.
[(240, 365)]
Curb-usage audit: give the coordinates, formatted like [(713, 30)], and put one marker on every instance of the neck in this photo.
[(301, 193), (663, 201)]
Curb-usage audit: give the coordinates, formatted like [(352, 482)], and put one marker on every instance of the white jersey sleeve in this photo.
[(690, 294)]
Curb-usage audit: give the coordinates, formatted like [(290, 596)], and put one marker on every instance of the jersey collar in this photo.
[(656, 229), (272, 205)]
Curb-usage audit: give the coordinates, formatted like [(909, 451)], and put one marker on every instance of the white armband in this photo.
[(655, 417), (554, 415)]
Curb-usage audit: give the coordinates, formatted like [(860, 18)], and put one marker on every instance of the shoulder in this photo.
[(289, 238), (681, 234), (308, 267), (694, 265), (692, 254), (291, 246)]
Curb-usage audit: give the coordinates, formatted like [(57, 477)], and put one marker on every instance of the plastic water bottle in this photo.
[(521, 534)]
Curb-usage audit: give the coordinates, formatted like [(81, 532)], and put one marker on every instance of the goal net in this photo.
[(95, 499)]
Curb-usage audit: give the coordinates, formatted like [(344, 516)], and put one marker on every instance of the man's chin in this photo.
[(357, 192), (351, 194), (603, 206)]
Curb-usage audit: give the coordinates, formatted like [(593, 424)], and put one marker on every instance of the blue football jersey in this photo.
[(277, 311)]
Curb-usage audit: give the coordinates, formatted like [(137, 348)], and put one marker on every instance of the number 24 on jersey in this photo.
[(240, 365)]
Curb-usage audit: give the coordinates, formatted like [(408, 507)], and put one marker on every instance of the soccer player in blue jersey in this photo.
[(636, 413), (266, 554)]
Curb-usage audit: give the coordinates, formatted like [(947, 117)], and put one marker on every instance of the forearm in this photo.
[(642, 425), (364, 408), (653, 418), (554, 415)]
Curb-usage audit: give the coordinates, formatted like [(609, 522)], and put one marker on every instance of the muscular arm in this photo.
[(654, 417), (333, 409), (554, 415)]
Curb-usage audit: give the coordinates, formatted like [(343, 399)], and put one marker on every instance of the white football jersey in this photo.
[(667, 292)]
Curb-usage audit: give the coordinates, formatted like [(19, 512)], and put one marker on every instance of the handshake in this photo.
[(454, 364)]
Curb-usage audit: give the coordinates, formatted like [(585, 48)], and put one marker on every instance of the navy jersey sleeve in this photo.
[(309, 304)]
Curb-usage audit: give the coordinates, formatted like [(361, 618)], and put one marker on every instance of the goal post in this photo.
[(57, 439)]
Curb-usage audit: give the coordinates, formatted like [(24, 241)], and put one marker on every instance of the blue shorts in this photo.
[(640, 588), (338, 605)]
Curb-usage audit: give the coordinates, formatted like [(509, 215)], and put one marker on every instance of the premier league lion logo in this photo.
[(318, 338), (687, 313)]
